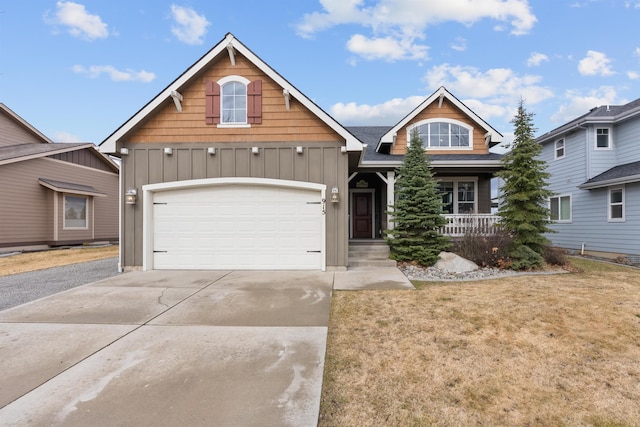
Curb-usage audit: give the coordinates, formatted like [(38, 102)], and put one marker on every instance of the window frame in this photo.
[(611, 204), (64, 212), (556, 149), (450, 122), (609, 138), (455, 202), (234, 79), (559, 220)]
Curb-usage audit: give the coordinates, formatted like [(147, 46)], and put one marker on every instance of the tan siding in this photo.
[(26, 207), (278, 124), (12, 133), (448, 111), (323, 164)]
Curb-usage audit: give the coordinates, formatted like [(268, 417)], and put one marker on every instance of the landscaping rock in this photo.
[(452, 263)]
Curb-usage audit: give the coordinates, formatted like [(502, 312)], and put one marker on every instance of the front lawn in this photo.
[(541, 350)]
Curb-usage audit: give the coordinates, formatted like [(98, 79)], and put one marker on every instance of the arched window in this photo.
[(443, 133), (233, 106), (234, 101)]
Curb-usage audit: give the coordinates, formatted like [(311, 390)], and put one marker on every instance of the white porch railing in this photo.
[(462, 224)]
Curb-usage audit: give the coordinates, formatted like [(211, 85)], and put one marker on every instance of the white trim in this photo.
[(372, 191), (456, 180), (559, 220), (609, 147), (64, 210), (442, 120), (109, 144), (555, 149), (389, 137), (149, 190), (609, 204), (56, 215)]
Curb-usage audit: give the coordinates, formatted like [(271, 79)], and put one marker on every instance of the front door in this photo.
[(362, 223)]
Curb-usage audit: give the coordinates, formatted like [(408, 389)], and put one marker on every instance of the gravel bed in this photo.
[(435, 274)]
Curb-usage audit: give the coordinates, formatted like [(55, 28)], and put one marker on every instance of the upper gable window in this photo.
[(603, 138), (443, 133), (559, 149), (233, 101)]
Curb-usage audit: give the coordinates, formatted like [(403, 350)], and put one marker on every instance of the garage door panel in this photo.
[(238, 227)]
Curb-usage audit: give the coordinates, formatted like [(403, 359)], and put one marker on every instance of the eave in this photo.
[(609, 182)]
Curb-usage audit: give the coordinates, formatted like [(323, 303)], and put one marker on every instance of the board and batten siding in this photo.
[(446, 111), (323, 163), (27, 208)]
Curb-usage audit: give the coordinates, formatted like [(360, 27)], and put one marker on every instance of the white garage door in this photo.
[(244, 227)]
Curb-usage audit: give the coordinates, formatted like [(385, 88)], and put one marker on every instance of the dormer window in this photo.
[(233, 101), (443, 133)]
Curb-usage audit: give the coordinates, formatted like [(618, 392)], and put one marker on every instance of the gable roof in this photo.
[(440, 94), (24, 124), (227, 45), (604, 114)]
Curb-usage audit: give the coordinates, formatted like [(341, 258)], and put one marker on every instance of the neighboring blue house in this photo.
[(594, 162)]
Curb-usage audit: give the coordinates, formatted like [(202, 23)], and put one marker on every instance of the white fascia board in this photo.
[(610, 182), (440, 163), (109, 144), (389, 137)]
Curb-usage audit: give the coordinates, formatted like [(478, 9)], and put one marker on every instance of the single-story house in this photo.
[(53, 194), (232, 167)]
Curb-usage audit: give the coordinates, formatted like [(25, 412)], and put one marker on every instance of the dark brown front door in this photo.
[(361, 215)]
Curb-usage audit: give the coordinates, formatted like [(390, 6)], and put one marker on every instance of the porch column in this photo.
[(390, 180)]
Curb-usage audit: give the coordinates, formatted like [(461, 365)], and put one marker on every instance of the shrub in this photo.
[(525, 258), (555, 256), (484, 250)]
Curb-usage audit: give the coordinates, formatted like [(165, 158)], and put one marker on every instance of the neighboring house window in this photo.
[(616, 204), (559, 149), (444, 134), (233, 101), (75, 212), (603, 138), (560, 209), (458, 197)]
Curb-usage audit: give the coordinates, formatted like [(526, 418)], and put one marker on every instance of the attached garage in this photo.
[(234, 224)]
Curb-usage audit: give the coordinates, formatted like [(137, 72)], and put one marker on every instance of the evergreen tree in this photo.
[(524, 195), (417, 212)]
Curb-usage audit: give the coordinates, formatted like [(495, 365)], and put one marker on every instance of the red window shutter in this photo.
[(212, 114), (254, 102)]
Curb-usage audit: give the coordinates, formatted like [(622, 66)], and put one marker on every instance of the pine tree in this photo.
[(524, 194), (417, 212)]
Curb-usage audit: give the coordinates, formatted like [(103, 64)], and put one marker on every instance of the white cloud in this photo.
[(189, 27), (387, 113), (636, 52), (633, 75), (386, 48), (459, 44), (595, 63), (78, 21), (62, 136), (95, 71), (536, 58), (578, 103), (498, 86)]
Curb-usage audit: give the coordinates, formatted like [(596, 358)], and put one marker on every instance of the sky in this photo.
[(77, 70)]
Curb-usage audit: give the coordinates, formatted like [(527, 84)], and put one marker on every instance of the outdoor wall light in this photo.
[(335, 197), (299, 150), (124, 151), (255, 150), (130, 196), (211, 150), (168, 151), (343, 149)]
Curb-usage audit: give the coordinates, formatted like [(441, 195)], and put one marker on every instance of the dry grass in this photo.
[(31, 261), (558, 350)]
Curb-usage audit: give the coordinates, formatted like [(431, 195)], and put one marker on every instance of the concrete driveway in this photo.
[(169, 348)]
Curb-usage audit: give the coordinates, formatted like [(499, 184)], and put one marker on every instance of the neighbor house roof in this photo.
[(621, 174), (23, 123), (493, 136), (604, 114), (66, 187), (228, 45), (20, 152)]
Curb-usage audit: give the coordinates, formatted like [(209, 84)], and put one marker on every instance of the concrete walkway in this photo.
[(196, 348)]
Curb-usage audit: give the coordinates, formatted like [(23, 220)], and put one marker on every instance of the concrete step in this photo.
[(370, 255), (361, 262)]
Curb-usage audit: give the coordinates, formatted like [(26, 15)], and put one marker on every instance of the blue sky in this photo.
[(77, 70)]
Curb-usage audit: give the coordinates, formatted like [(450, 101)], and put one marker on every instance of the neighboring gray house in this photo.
[(594, 163), (53, 194)]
